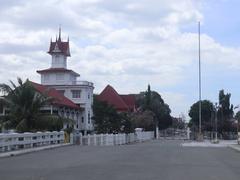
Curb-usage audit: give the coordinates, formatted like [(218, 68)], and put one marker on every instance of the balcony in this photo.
[(82, 83)]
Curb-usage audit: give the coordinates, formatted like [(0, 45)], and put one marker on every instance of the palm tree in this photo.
[(24, 104)]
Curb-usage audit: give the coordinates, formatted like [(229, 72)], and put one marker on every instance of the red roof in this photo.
[(63, 47), (129, 100), (120, 102), (59, 99), (53, 70)]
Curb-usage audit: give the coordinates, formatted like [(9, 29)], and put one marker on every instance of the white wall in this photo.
[(62, 78), (84, 101), (59, 61)]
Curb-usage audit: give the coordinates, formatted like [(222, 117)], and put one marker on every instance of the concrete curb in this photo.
[(235, 147), (25, 151)]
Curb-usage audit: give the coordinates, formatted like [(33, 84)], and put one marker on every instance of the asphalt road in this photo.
[(158, 160)]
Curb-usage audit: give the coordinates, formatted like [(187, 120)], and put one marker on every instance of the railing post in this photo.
[(101, 139), (88, 139), (80, 139), (94, 139), (71, 138)]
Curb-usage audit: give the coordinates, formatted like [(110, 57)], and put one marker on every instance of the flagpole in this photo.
[(199, 76)]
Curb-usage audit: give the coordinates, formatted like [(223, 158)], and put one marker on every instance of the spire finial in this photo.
[(59, 35)]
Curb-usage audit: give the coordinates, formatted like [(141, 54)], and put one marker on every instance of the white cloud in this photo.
[(124, 43)]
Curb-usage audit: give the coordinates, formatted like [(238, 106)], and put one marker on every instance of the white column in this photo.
[(51, 109), (157, 132)]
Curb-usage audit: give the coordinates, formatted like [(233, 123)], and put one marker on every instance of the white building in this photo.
[(66, 82)]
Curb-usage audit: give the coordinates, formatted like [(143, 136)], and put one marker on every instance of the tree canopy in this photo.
[(108, 120), (24, 104), (225, 112), (207, 114), (152, 101)]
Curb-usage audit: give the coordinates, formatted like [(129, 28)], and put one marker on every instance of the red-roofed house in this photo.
[(122, 103)]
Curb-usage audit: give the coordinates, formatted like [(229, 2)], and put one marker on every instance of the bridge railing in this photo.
[(113, 139), (16, 141)]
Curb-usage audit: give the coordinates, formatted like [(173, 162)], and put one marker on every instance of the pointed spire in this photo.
[(59, 35), (51, 40), (68, 39)]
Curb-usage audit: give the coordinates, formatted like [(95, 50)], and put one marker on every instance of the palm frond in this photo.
[(13, 84), (5, 88), (20, 82)]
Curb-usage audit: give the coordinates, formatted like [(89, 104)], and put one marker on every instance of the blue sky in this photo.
[(222, 22), (128, 44)]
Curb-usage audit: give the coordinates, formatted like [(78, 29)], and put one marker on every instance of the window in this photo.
[(68, 114), (62, 113), (46, 77), (60, 76), (72, 115), (76, 93), (88, 117), (82, 119), (1, 108), (88, 95)]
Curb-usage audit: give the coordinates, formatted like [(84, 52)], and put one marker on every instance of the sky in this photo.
[(129, 44)]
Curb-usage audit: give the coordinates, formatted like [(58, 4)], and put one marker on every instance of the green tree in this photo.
[(225, 112), (207, 113), (144, 119), (106, 119), (237, 116), (152, 101), (24, 104), (126, 122)]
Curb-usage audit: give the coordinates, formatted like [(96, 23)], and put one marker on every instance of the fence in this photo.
[(171, 133), (113, 139), (15, 141), (211, 135)]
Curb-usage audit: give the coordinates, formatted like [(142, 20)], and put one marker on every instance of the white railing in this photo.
[(15, 141), (84, 83), (115, 139)]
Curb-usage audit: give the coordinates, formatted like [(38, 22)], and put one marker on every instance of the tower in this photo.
[(58, 74), (59, 50)]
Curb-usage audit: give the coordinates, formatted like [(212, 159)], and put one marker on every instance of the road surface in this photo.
[(152, 160)]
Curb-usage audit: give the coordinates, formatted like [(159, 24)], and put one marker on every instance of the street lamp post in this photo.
[(238, 137), (216, 128), (237, 119)]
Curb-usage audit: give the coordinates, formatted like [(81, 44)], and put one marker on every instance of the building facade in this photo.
[(66, 83)]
